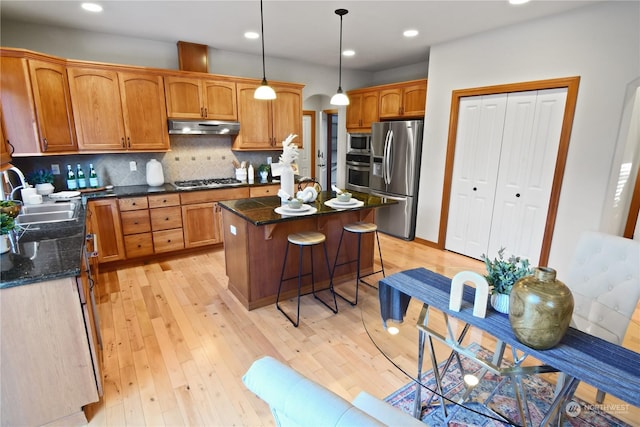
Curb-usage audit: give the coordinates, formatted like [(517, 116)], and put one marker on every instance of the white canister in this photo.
[(155, 176), (26, 194)]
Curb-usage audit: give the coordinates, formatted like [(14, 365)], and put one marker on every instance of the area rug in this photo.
[(503, 403)]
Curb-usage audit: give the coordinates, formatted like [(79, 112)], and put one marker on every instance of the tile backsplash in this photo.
[(191, 157)]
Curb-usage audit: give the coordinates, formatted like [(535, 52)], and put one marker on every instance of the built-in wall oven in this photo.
[(358, 166)]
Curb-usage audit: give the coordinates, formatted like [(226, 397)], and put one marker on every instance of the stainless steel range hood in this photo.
[(203, 127)]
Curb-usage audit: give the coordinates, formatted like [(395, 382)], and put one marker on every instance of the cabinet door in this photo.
[(354, 111), (202, 224), (369, 109), (5, 154), (414, 99), (390, 103), (184, 97), (287, 115), (254, 114), (143, 107), (17, 105), (105, 222), (220, 100), (53, 106), (97, 108)]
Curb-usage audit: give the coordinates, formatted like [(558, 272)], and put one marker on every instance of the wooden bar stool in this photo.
[(358, 228), (302, 239)]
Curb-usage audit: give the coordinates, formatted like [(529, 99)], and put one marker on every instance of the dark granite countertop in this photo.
[(45, 252), (52, 251), (261, 210)]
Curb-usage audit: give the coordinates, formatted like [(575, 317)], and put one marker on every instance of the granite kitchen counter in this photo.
[(261, 210), (45, 252)]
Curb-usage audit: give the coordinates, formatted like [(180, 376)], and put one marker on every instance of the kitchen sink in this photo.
[(47, 213)]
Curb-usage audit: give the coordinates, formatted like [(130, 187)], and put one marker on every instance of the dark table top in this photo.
[(261, 210)]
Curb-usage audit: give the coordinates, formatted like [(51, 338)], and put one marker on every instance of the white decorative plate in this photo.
[(336, 204), (283, 210)]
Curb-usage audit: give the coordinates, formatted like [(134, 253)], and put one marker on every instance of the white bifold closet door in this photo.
[(506, 150)]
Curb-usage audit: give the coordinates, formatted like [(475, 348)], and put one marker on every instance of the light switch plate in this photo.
[(133, 166), (232, 229), (55, 169)]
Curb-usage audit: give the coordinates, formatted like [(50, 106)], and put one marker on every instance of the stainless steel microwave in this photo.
[(359, 143)]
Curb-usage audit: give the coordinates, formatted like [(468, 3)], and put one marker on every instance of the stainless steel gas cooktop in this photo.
[(206, 183)]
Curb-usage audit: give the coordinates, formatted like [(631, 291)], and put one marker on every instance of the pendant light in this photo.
[(340, 98), (264, 91)]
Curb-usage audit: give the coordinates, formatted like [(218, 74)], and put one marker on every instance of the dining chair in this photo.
[(604, 278)]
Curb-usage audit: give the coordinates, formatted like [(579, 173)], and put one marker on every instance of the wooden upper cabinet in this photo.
[(143, 108), (116, 111), (406, 100), (362, 110), (5, 154), (220, 97), (97, 108), (265, 124), (53, 106), (287, 115), (193, 98)]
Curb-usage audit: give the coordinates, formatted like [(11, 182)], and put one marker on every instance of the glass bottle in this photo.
[(72, 184), (93, 177), (82, 181)]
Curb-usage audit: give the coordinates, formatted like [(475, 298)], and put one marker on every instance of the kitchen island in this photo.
[(255, 239)]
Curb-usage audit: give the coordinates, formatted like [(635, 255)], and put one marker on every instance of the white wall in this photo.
[(101, 47), (601, 44)]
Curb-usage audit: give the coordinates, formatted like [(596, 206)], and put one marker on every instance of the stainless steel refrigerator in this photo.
[(396, 149)]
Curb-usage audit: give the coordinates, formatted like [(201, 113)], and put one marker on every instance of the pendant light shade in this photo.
[(264, 91), (340, 98)]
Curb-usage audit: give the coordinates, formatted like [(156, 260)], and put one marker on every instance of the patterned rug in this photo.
[(539, 394)]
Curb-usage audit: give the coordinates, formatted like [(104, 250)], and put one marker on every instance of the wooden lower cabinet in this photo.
[(47, 372), (104, 217), (137, 227), (202, 224)]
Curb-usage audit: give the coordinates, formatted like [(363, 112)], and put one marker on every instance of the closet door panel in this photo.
[(479, 136), (529, 151)]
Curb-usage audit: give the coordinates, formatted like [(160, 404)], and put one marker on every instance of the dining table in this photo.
[(581, 357)]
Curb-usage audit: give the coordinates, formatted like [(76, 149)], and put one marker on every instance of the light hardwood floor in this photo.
[(176, 342)]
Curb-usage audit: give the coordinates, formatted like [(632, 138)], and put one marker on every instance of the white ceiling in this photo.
[(303, 30)]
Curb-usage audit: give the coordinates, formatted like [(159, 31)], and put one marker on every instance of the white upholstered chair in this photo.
[(604, 278)]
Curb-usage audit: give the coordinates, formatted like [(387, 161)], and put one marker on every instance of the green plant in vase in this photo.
[(7, 224), (41, 176), (42, 179), (502, 274)]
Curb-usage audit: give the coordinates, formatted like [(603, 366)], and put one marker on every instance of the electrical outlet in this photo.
[(232, 230), (55, 169), (133, 166)]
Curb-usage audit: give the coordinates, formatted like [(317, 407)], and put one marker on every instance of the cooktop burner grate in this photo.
[(206, 183)]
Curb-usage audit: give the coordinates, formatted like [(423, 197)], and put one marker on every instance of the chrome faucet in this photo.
[(7, 181)]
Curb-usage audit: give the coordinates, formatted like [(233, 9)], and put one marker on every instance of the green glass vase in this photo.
[(540, 309)]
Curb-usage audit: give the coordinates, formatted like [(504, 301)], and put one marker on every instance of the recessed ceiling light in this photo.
[(517, 2), (92, 7), (348, 52), (251, 35), (410, 33)]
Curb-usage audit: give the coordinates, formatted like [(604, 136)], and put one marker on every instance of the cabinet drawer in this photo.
[(138, 245), (164, 200), (264, 190), (133, 203), (134, 222), (166, 218), (168, 240), (206, 196)]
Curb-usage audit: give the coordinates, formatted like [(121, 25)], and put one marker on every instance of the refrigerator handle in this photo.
[(388, 157)]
